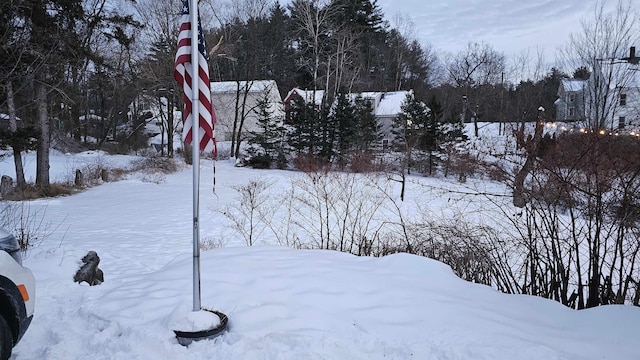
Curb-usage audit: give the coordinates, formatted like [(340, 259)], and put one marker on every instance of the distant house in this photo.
[(623, 106), (610, 99), (296, 95), (386, 105), (236, 100), (570, 105)]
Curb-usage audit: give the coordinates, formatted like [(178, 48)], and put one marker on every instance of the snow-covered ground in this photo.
[(282, 303)]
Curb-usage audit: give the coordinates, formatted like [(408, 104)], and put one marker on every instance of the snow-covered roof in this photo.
[(391, 103), (622, 75), (385, 104), (308, 95), (232, 86), (573, 85)]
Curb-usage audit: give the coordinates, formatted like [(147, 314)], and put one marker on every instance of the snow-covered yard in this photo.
[(282, 303)]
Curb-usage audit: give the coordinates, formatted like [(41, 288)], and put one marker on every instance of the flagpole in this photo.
[(195, 149)]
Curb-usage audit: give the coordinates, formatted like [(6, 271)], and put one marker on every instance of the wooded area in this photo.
[(71, 68)]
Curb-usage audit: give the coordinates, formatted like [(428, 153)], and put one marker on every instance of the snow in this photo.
[(574, 85), (232, 86), (282, 303), (194, 321)]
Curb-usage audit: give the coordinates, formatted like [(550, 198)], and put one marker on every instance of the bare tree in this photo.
[(313, 19), (476, 66)]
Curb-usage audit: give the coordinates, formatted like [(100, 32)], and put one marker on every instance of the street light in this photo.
[(464, 109)]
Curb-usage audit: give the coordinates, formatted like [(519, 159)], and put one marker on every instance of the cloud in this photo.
[(507, 25)]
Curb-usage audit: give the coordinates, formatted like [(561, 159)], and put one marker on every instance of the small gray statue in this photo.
[(89, 272)]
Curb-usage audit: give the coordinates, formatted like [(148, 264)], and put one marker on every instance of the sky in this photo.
[(510, 26), (282, 303)]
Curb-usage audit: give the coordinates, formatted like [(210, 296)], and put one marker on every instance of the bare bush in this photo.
[(155, 164), (27, 224), (248, 215), (340, 211), (212, 243)]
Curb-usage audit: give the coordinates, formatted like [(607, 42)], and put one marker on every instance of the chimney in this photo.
[(632, 52)]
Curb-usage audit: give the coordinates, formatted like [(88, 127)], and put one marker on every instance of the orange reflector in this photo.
[(23, 292)]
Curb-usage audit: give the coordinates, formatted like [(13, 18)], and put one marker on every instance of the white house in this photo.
[(386, 107), (237, 101), (570, 105), (624, 97), (609, 100)]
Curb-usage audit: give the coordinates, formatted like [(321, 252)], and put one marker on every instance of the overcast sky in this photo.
[(508, 25)]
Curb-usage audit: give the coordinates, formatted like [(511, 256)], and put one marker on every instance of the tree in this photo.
[(367, 128), (434, 132), (303, 134), (409, 129), (343, 129), (267, 143), (473, 71)]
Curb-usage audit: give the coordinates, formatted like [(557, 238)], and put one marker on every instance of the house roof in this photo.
[(308, 95), (391, 103), (623, 75), (573, 85), (385, 104), (232, 86)]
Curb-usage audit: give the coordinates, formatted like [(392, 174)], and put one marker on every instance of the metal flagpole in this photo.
[(195, 142)]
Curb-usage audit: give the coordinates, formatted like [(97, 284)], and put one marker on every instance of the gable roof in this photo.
[(309, 96), (232, 86), (385, 104), (573, 85)]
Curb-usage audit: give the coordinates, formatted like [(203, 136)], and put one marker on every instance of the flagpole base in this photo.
[(187, 336)]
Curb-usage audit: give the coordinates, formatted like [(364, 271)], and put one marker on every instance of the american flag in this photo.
[(182, 74)]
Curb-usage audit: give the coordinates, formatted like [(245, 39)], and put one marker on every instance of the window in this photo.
[(385, 144), (572, 98), (623, 99), (621, 122), (572, 111)]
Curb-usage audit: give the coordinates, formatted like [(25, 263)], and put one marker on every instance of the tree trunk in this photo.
[(13, 126), (519, 199), (42, 160)]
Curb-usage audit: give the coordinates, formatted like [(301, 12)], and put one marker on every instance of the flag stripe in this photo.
[(182, 74)]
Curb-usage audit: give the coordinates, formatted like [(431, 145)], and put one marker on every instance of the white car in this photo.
[(17, 294)]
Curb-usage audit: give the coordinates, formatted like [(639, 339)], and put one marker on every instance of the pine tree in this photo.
[(302, 132), (266, 144), (342, 116), (434, 132), (368, 130), (409, 129)]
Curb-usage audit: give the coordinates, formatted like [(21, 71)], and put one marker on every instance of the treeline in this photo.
[(72, 68)]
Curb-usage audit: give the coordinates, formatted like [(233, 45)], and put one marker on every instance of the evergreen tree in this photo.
[(267, 143), (367, 128), (342, 116), (302, 133), (409, 129), (434, 132)]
